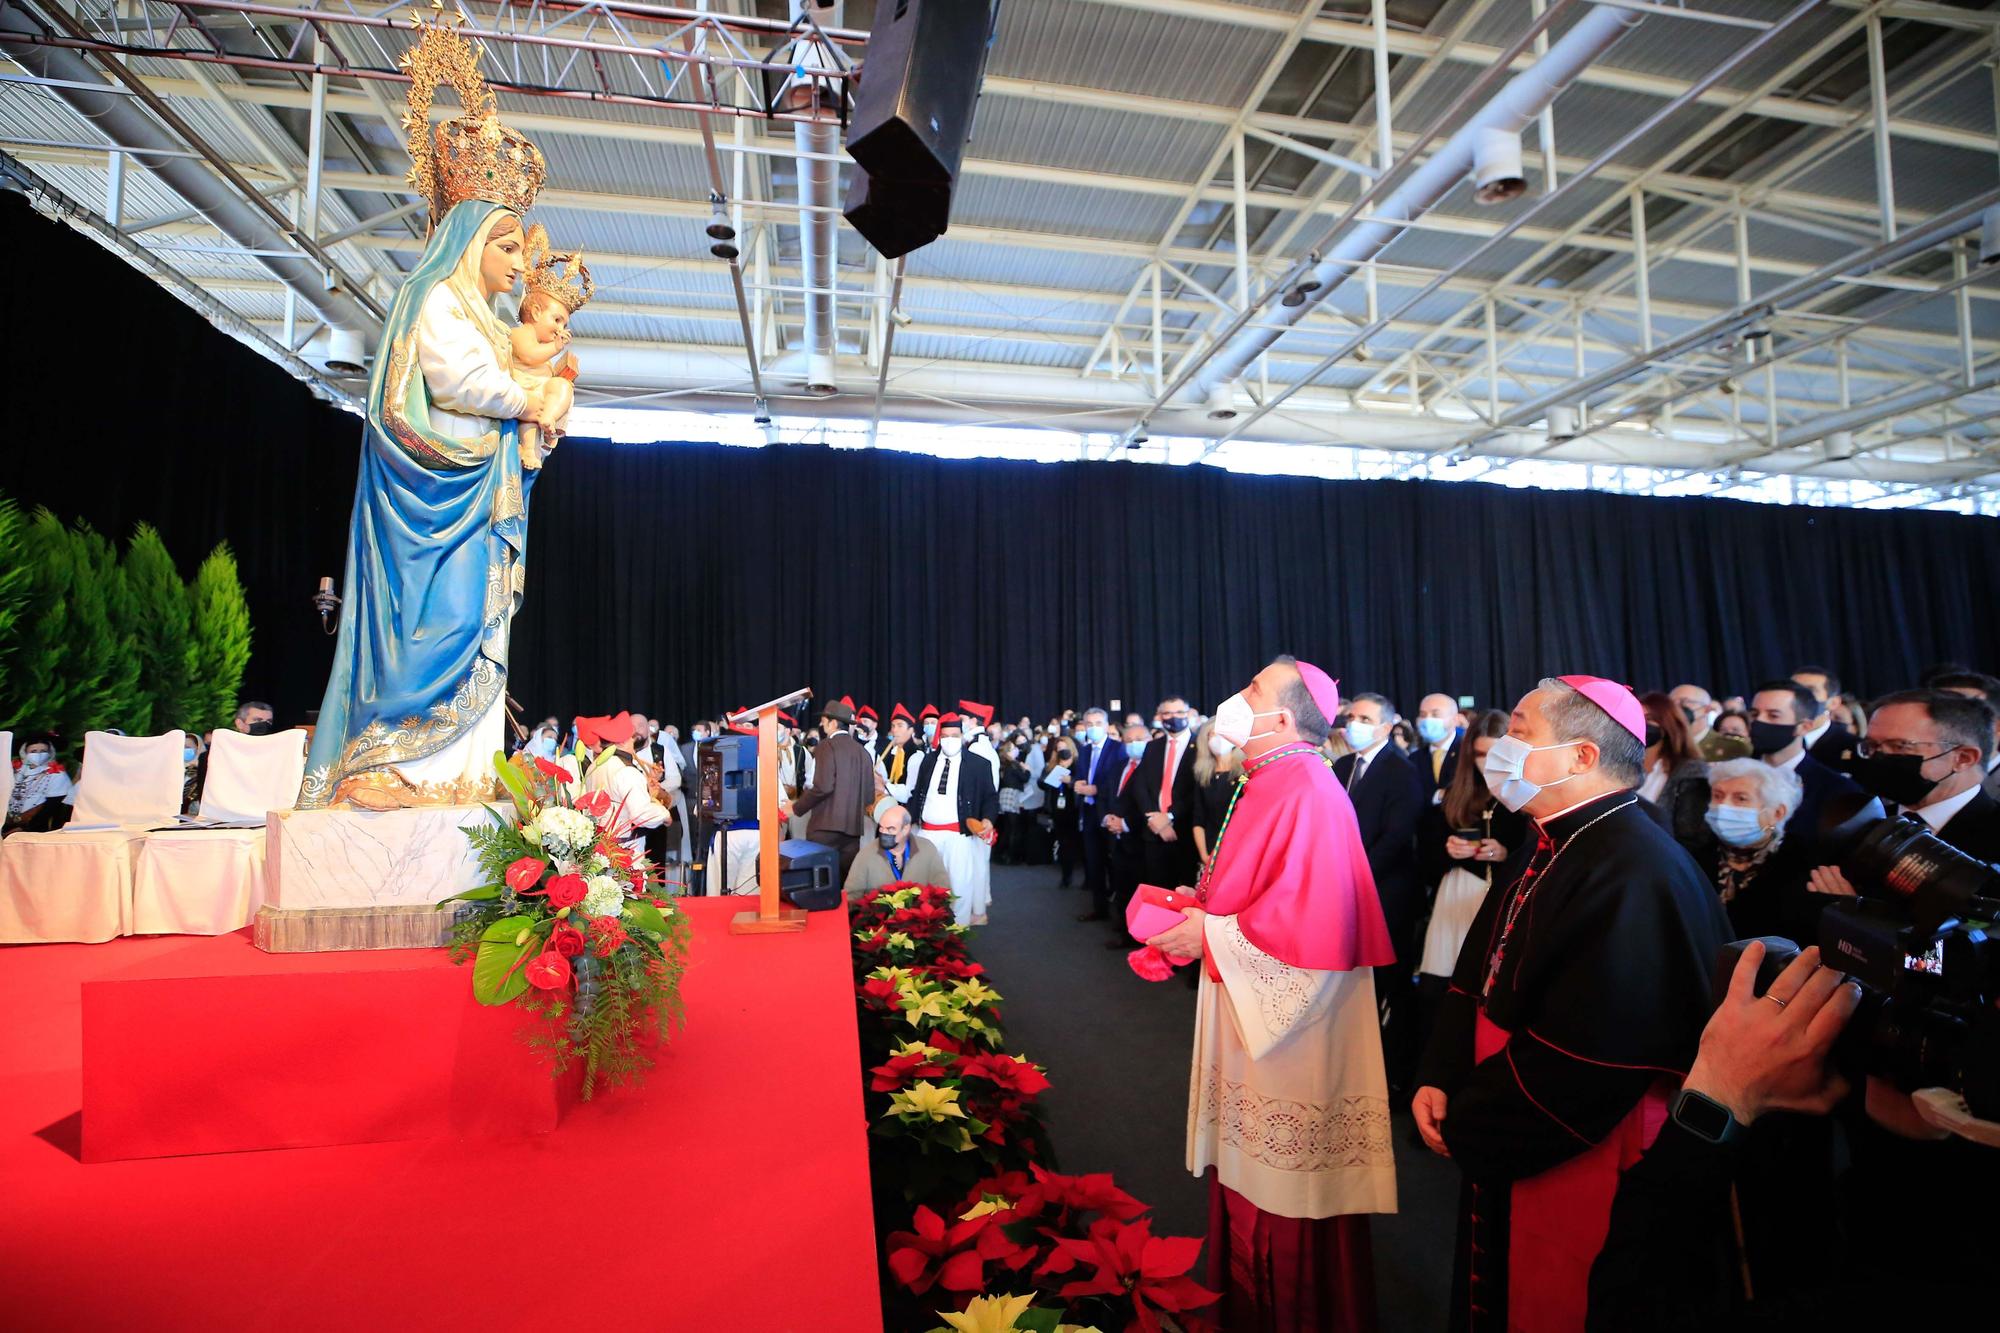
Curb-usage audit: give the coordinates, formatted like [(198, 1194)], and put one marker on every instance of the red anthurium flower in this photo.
[(525, 873), (556, 772), (567, 891), (567, 941), (548, 970), (596, 804)]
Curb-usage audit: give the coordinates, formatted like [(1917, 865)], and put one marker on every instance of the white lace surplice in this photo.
[(1288, 1099)]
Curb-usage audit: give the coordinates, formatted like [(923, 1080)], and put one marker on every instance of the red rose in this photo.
[(525, 873), (548, 971), (567, 941), (567, 891)]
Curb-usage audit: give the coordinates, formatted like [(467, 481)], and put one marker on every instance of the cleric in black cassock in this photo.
[(1574, 1010)]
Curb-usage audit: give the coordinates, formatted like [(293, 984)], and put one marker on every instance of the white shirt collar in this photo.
[(1938, 814), (1368, 755), (1993, 763), (1792, 765), (1813, 736)]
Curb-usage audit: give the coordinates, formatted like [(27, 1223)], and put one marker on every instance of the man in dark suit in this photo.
[(1436, 760), (843, 788), (1926, 751), (1977, 685), (1158, 804), (1389, 800), (1828, 741), (1782, 714), (1125, 868), (1100, 759)]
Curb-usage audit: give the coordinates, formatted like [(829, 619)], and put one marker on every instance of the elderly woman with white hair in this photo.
[(1760, 879)]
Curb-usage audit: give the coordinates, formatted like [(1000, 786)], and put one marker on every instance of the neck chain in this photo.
[(1251, 769), (1526, 890)]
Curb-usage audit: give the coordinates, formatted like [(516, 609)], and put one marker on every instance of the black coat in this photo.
[(1836, 748), (1389, 801), (1820, 784), (977, 798), (1141, 796), (1975, 829)]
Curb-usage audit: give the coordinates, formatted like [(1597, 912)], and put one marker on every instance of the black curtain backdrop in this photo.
[(684, 579)]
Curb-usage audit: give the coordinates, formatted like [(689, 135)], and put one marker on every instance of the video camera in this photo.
[(1920, 941)]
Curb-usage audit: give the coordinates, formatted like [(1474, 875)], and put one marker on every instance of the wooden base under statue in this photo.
[(365, 879)]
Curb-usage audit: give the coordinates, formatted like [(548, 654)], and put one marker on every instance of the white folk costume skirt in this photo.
[(1459, 895), (967, 861)]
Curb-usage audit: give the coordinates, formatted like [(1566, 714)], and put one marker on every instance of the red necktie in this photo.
[(1126, 776), (1167, 781)]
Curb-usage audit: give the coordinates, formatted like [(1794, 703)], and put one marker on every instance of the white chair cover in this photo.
[(6, 769), (211, 881), (250, 776), (76, 884)]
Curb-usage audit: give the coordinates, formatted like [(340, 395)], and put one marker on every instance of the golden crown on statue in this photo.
[(473, 156), (564, 276)]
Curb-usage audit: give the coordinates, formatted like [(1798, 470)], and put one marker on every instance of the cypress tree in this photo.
[(38, 683), (220, 621), (161, 628)]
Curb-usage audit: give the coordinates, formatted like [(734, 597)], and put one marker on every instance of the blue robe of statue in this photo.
[(436, 552)]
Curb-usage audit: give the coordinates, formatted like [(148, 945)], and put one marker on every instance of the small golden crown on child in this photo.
[(564, 276)]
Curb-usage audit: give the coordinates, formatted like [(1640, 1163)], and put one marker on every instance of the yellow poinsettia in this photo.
[(896, 976), (918, 1048), (926, 1098), (988, 1203), (988, 1314), (899, 940), (976, 993), (925, 1005)]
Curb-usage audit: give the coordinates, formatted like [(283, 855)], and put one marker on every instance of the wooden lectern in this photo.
[(771, 916)]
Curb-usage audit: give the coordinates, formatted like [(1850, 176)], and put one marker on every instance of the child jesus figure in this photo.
[(558, 286)]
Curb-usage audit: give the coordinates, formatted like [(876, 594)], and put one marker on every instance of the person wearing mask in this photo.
[(542, 744), (1783, 713), (663, 783), (1436, 755), (835, 807), (902, 755), (39, 801), (1100, 759), (1288, 1121), (1163, 782), (1701, 712), (1676, 774), (1479, 835), (1974, 685), (1058, 784), (867, 723), (1015, 781), (1926, 753), (193, 769), (895, 856), (253, 718), (982, 735), (1389, 801), (927, 725), (1218, 768), (1033, 847), (1582, 989), (1127, 866), (608, 740), (1827, 741), (1758, 875), (956, 810)]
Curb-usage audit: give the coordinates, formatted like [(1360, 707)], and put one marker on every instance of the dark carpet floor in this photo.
[(1117, 1050)]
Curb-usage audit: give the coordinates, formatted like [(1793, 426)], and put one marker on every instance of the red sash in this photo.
[(1558, 1219)]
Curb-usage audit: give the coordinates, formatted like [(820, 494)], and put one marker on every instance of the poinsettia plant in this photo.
[(572, 924)]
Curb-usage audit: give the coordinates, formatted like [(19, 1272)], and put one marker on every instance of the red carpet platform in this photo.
[(729, 1192)]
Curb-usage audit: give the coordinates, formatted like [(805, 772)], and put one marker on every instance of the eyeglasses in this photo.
[(1870, 749)]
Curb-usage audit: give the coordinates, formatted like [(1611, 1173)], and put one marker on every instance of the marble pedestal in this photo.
[(365, 879)]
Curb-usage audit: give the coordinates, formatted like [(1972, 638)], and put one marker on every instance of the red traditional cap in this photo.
[(984, 712), (930, 710), (787, 718), (868, 712), (903, 713), (1324, 689), (593, 730), (747, 727), (1615, 699), (951, 720)]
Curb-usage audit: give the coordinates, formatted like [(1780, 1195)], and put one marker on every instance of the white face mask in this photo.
[(1236, 722), (38, 759), (1360, 735), (952, 744), (1220, 745), (1503, 771)]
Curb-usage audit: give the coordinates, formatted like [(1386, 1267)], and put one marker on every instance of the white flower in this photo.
[(605, 897), (571, 828)]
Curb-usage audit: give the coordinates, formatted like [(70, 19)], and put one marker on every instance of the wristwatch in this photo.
[(1706, 1118)]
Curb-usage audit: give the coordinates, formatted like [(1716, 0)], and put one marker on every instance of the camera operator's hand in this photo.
[(1768, 1053), (1829, 880)]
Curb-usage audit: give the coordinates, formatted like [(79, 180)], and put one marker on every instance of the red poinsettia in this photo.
[(548, 970), (1017, 1076), (1127, 1259), (1089, 1194), (567, 941), (566, 891), (953, 1257), (879, 989), (525, 873), (900, 1070)]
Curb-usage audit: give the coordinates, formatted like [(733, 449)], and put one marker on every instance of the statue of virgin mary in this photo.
[(437, 549)]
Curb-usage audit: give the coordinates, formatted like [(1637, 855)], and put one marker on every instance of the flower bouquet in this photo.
[(572, 925)]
